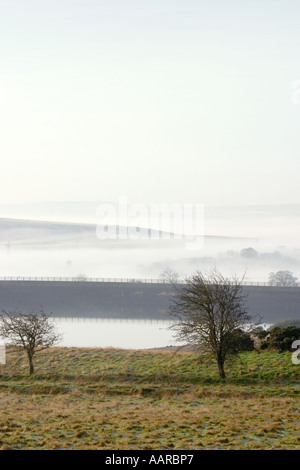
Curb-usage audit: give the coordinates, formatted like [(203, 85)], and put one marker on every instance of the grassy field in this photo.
[(122, 399)]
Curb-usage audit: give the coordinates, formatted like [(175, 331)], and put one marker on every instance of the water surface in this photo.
[(125, 334)]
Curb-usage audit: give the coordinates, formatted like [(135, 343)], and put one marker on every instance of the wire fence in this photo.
[(112, 280)]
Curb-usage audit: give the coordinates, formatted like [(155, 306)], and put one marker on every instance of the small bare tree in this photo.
[(210, 313), (170, 276), (31, 331), (282, 279), (81, 277)]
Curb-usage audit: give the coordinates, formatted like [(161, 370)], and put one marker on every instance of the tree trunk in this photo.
[(30, 360), (221, 368)]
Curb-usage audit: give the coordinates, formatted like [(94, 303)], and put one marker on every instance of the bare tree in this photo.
[(170, 276), (31, 331), (210, 313), (81, 277), (282, 279)]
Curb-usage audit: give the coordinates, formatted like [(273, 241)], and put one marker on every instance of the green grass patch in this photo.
[(85, 398)]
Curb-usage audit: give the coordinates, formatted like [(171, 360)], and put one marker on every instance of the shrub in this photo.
[(240, 341), (282, 338), (261, 338)]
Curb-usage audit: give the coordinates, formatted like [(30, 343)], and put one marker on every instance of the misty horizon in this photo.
[(253, 239)]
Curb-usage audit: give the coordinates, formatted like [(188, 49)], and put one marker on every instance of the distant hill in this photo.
[(47, 234), (60, 239)]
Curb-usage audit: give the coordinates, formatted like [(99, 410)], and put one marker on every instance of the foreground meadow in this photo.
[(122, 399)]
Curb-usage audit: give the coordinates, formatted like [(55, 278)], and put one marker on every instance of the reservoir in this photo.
[(115, 333), (129, 315)]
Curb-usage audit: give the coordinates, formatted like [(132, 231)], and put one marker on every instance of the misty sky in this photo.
[(159, 100)]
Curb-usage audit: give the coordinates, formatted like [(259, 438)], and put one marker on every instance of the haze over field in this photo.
[(60, 239)]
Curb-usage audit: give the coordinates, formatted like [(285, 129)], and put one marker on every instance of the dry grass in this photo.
[(117, 399)]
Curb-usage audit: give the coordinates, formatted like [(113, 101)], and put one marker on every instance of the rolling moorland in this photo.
[(82, 398), (92, 398)]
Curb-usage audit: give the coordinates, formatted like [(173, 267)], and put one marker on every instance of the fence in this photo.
[(110, 280), (80, 279)]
